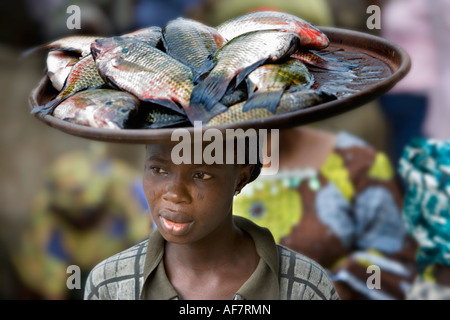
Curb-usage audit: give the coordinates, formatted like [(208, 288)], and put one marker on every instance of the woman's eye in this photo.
[(202, 176), (158, 170)]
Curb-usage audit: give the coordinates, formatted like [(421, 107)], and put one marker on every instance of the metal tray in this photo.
[(377, 51)]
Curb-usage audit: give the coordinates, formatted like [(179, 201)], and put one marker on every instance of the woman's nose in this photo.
[(176, 191)]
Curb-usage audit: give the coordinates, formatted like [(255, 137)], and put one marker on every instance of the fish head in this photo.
[(311, 36), (111, 47)]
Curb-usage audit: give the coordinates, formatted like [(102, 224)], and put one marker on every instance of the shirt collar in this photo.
[(263, 284)]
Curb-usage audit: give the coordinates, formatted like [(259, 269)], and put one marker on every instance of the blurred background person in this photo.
[(408, 24), (436, 123), (336, 200), (91, 207), (425, 167)]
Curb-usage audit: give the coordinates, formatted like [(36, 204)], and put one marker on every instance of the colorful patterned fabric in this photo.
[(425, 167), (346, 216), (91, 207)]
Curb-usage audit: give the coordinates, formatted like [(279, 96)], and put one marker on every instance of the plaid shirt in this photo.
[(122, 276)]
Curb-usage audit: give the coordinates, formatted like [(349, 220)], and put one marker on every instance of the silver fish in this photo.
[(190, 41), (98, 108), (148, 73), (83, 75), (234, 61), (268, 82), (59, 64), (290, 101), (76, 44), (311, 37)]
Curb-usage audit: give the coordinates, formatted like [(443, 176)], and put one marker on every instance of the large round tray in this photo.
[(377, 49)]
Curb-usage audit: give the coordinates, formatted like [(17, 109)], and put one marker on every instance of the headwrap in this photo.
[(425, 168)]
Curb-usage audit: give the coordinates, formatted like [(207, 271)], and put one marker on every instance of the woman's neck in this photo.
[(212, 269)]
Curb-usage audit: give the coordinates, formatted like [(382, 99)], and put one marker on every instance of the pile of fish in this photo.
[(250, 67)]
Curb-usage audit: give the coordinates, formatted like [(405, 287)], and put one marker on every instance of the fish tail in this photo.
[(170, 104), (245, 72), (46, 108), (204, 70), (208, 92), (199, 113), (268, 100)]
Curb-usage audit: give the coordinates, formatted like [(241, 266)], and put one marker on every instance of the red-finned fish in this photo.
[(148, 73), (235, 60), (83, 75), (318, 61), (98, 108), (267, 83), (190, 41), (290, 101), (311, 37)]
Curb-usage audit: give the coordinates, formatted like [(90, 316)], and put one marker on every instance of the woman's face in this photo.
[(188, 202)]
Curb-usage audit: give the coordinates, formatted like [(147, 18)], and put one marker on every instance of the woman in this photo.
[(199, 250)]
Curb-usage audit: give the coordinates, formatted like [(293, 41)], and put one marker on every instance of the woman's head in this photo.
[(190, 202)]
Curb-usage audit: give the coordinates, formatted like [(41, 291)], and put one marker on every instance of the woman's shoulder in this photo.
[(302, 278), (121, 269)]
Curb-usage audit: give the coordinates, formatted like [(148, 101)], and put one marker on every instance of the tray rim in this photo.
[(379, 48)]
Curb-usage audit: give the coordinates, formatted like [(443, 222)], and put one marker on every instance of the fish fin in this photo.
[(268, 100), (198, 113), (46, 108), (204, 70), (209, 92), (170, 104), (315, 60), (246, 71), (28, 52), (171, 123)]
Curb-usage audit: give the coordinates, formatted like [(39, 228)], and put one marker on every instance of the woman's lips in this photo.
[(176, 224)]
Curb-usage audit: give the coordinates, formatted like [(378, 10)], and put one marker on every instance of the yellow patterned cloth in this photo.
[(346, 215), (90, 208)]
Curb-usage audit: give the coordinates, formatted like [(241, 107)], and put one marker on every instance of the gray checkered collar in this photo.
[(263, 284)]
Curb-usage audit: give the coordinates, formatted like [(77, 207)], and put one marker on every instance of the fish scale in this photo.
[(268, 82), (311, 37), (290, 101), (190, 41), (99, 108), (145, 71), (83, 75), (235, 60)]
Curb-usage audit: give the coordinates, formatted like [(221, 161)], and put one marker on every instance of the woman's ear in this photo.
[(245, 172)]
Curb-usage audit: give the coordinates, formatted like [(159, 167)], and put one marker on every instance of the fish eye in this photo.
[(125, 50)]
